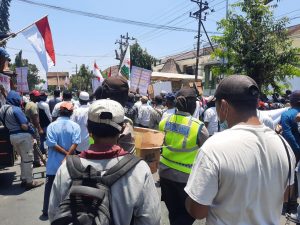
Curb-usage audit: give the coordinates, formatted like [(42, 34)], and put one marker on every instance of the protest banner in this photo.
[(162, 86), (22, 84), (140, 80), (5, 81)]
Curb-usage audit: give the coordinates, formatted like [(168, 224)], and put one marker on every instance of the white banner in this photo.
[(140, 80), (162, 86), (96, 83), (5, 81), (22, 83)]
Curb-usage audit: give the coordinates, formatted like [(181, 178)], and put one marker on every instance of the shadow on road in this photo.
[(9, 185)]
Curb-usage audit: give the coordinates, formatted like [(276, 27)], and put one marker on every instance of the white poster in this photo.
[(22, 83), (96, 82), (140, 80), (162, 86), (5, 81)]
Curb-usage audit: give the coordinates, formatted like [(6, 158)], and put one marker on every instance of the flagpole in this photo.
[(15, 34)]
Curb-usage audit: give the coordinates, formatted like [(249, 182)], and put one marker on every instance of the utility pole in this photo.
[(123, 44), (199, 16)]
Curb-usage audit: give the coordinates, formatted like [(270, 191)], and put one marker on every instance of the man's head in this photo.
[(170, 100), (56, 93), (105, 118), (67, 95), (115, 88), (14, 98), (144, 99), (66, 109), (84, 98), (43, 96), (34, 96), (158, 100), (186, 100), (295, 98), (131, 98), (236, 98)]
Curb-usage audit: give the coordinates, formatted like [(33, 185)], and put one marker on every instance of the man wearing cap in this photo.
[(144, 113), (80, 117), (63, 136), (116, 88), (134, 195), (21, 133), (67, 97), (183, 136), (32, 114), (240, 175)]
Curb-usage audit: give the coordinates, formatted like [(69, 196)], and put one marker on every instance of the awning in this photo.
[(158, 76)]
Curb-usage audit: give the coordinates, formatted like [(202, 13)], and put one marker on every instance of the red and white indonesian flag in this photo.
[(98, 79), (39, 35)]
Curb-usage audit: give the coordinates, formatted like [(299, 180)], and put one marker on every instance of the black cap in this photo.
[(295, 97), (237, 88)]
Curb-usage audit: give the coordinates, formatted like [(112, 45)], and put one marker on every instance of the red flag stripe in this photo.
[(45, 31)]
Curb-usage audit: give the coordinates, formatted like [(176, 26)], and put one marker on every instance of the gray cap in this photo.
[(237, 88)]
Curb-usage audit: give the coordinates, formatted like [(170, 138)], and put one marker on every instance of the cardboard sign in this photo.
[(140, 80), (5, 81), (22, 83)]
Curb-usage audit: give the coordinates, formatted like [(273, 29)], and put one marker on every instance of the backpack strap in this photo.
[(75, 168), (120, 169)]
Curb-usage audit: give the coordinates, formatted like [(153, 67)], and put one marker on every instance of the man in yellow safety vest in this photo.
[(183, 137)]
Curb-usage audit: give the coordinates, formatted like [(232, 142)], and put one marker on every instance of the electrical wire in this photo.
[(109, 18)]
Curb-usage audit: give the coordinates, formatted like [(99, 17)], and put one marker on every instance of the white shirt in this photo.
[(43, 105), (80, 116), (168, 112), (134, 193), (198, 111), (266, 120), (210, 117), (144, 113), (137, 105), (242, 174)]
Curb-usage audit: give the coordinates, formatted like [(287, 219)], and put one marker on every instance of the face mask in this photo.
[(223, 125)]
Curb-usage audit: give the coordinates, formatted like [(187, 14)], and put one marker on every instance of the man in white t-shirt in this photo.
[(210, 117), (80, 116), (240, 175)]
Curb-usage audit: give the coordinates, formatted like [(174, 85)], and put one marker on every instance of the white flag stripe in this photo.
[(37, 42)]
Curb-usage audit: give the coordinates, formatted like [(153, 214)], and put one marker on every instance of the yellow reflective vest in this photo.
[(181, 141)]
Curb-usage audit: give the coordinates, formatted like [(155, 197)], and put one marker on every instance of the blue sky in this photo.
[(81, 36)]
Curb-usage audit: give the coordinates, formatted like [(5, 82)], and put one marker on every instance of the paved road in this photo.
[(18, 206)]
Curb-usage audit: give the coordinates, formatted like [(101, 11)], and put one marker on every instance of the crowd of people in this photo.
[(221, 159)]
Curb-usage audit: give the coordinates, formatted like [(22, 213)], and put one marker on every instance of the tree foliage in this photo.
[(33, 77), (4, 16), (140, 57), (82, 81), (256, 44)]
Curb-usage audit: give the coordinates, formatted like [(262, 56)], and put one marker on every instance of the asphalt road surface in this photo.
[(20, 207)]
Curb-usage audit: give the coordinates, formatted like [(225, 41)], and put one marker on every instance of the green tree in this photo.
[(33, 77), (82, 81), (4, 16), (140, 57), (256, 44)]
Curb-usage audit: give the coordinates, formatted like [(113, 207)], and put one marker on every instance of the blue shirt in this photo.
[(290, 128), (62, 132)]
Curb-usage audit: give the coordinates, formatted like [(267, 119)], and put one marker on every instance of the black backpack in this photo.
[(88, 201)]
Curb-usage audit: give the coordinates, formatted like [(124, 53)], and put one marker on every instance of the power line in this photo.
[(109, 18), (66, 55)]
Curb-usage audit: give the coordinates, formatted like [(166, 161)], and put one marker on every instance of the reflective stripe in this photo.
[(181, 164), (182, 150), (186, 136)]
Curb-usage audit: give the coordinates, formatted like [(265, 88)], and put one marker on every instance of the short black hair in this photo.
[(67, 95), (65, 112), (56, 93), (101, 130)]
